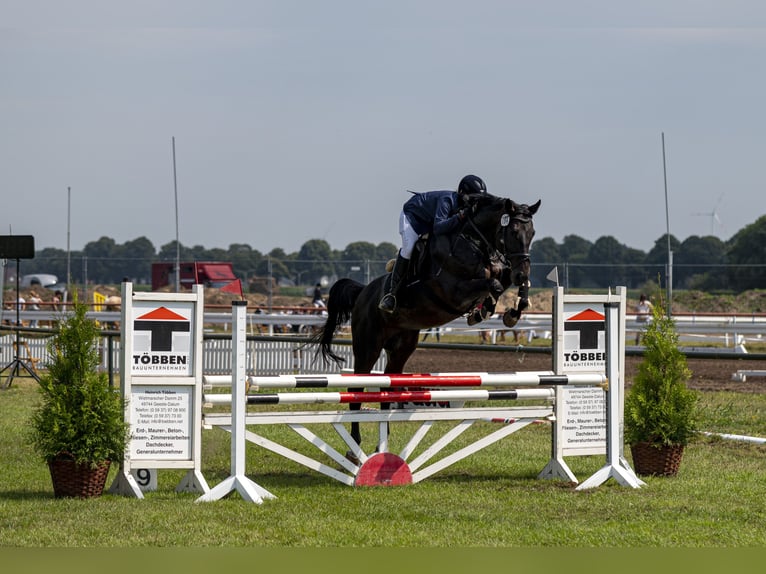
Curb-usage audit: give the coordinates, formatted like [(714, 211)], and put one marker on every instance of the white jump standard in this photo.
[(248, 489)]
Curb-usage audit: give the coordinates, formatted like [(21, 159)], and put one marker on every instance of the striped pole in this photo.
[(384, 397), (425, 380)]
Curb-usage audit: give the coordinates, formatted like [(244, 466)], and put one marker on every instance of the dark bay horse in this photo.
[(449, 275)]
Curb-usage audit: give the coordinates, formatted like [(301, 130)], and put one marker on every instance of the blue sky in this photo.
[(310, 120)]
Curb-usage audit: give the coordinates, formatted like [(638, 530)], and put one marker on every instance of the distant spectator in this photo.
[(56, 302), (56, 306), (436, 331), (317, 299), (34, 305), (643, 313)]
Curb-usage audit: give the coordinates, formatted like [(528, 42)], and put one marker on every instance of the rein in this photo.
[(489, 247), (492, 252)]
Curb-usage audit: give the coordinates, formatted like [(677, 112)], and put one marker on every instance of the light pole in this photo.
[(178, 245), (667, 224), (68, 255)]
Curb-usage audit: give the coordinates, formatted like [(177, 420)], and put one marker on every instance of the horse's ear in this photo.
[(514, 207)]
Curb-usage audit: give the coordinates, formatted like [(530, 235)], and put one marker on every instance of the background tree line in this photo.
[(106, 262), (705, 263)]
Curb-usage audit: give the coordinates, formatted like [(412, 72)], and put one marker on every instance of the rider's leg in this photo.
[(388, 302), (409, 237)]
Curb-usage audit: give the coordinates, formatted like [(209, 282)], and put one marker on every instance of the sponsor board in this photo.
[(161, 358), (161, 339), (581, 342)]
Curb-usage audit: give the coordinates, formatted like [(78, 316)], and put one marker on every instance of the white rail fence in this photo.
[(264, 356), (279, 356)]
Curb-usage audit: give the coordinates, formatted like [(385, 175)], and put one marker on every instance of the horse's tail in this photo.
[(340, 302)]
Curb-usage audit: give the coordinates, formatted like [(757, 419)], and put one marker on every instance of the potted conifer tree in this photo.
[(78, 428), (660, 410)]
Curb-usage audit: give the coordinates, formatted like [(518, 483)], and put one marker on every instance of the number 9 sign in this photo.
[(146, 478)]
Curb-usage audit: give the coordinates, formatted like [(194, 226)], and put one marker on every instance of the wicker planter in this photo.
[(77, 480), (653, 460)]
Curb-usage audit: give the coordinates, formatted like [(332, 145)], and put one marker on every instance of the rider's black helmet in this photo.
[(471, 184)]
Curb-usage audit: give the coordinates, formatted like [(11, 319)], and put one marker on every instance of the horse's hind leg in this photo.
[(399, 349), (398, 352), (364, 361)]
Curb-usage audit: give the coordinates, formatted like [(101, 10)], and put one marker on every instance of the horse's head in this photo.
[(517, 231), (508, 229)]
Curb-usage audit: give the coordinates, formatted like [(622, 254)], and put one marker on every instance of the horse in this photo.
[(449, 276)]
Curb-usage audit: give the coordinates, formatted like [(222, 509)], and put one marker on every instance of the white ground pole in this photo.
[(616, 466), (248, 489), (737, 437)]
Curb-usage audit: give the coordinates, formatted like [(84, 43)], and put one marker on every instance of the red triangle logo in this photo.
[(587, 315), (162, 314)]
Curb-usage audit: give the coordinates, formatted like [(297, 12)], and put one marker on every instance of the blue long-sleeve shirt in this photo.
[(433, 212)]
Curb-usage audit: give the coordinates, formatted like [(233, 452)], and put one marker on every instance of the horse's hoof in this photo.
[(510, 319), (474, 317), (351, 457)]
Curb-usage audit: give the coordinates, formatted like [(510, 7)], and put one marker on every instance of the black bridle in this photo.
[(521, 257), (477, 241), (490, 251)]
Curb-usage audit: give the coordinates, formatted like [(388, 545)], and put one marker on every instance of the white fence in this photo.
[(264, 356), (280, 356)]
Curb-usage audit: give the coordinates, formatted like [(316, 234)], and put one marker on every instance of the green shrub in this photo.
[(79, 414), (660, 408)]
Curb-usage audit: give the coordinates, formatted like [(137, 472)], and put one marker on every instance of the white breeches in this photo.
[(409, 236)]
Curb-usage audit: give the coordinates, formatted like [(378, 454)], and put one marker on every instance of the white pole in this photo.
[(68, 256), (178, 245), (667, 224)]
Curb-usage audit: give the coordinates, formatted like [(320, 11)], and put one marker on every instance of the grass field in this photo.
[(492, 499)]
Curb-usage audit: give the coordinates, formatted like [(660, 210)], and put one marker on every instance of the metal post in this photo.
[(178, 245), (669, 277), (68, 265)]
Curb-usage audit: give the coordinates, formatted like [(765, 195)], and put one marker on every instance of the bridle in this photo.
[(519, 257), (490, 250)]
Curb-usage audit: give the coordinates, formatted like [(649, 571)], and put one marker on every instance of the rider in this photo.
[(435, 212)]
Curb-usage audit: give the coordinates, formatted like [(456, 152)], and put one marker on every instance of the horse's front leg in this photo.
[(494, 275), (512, 316)]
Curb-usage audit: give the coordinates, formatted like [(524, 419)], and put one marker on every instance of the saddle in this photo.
[(418, 269)]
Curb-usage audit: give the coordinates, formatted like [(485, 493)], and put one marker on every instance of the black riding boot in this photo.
[(388, 302)]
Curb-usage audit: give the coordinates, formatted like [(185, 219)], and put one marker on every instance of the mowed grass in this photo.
[(492, 499)]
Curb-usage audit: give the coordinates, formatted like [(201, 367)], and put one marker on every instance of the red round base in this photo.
[(384, 469)]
